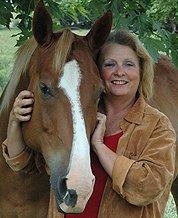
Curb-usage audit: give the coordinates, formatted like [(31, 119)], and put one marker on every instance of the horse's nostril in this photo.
[(62, 188), (71, 198)]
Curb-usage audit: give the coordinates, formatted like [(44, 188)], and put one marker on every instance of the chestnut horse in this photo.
[(60, 70), (166, 100)]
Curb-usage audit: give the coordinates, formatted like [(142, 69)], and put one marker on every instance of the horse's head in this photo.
[(66, 85)]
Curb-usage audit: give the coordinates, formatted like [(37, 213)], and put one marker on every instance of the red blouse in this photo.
[(92, 207)]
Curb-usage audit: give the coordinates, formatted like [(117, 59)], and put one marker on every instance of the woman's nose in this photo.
[(119, 71)]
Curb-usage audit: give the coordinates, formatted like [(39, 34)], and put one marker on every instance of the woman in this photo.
[(133, 142)]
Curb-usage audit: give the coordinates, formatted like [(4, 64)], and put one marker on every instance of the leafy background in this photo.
[(155, 21)]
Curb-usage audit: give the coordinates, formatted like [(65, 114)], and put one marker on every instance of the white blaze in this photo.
[(79, 167)]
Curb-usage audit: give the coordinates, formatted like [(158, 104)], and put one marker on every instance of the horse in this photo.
[(165, 98), (60, 69)]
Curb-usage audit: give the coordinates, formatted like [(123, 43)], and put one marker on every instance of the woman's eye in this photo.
[(45, 89), (109, 65), (129, 64)]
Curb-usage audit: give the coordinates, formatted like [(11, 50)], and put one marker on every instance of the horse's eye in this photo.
[(45, 89)]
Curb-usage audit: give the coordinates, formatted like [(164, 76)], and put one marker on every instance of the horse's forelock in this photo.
[(62, 49), (22, 59)]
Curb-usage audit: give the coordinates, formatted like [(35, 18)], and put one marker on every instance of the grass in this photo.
[(7, 51), (170, 211)]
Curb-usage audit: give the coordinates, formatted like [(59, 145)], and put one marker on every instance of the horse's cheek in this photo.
[(90, 119), (31, 131)]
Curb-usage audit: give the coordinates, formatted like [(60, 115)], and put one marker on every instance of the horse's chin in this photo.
[(66, 199), (71, 203), (64, 208)]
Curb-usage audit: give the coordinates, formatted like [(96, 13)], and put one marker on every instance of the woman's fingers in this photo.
[(23, 118), (101, 118), (100, 128), (25, 94), (23, 102), (22, 111), (22, 107), (24, 98)]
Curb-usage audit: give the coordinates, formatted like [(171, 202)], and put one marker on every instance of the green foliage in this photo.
[(170, 211), (164, 10), (155, 21), (6, 10), (7, 49), (147, 19)]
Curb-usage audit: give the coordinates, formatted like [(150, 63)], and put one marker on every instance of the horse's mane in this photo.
[(166, 73), (22, 59)]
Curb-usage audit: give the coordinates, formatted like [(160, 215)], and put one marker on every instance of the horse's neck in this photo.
[(165, 91), (5, 109)]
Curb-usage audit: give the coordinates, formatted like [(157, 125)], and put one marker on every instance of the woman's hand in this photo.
[(106, 156), (22, 107), (98, 135), (21, 111)]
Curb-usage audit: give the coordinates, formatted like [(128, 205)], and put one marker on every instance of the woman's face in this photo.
[(120, 70)]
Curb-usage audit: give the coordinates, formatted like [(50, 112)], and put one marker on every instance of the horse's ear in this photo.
[(42, 24), (99, 31)]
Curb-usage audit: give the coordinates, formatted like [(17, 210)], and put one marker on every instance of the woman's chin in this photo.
[(119, 93)]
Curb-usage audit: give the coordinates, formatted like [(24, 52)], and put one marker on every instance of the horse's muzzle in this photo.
[(73, 197)]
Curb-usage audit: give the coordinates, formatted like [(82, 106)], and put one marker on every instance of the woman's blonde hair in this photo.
[(124, 37)]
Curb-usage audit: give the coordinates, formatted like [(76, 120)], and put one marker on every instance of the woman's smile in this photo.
[(119, 82)]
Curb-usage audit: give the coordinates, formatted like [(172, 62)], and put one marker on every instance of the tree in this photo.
[(149, 19), (155, 21)]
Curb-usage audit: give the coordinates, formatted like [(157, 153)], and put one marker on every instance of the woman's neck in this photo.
[(115, 108), (118, 106)]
